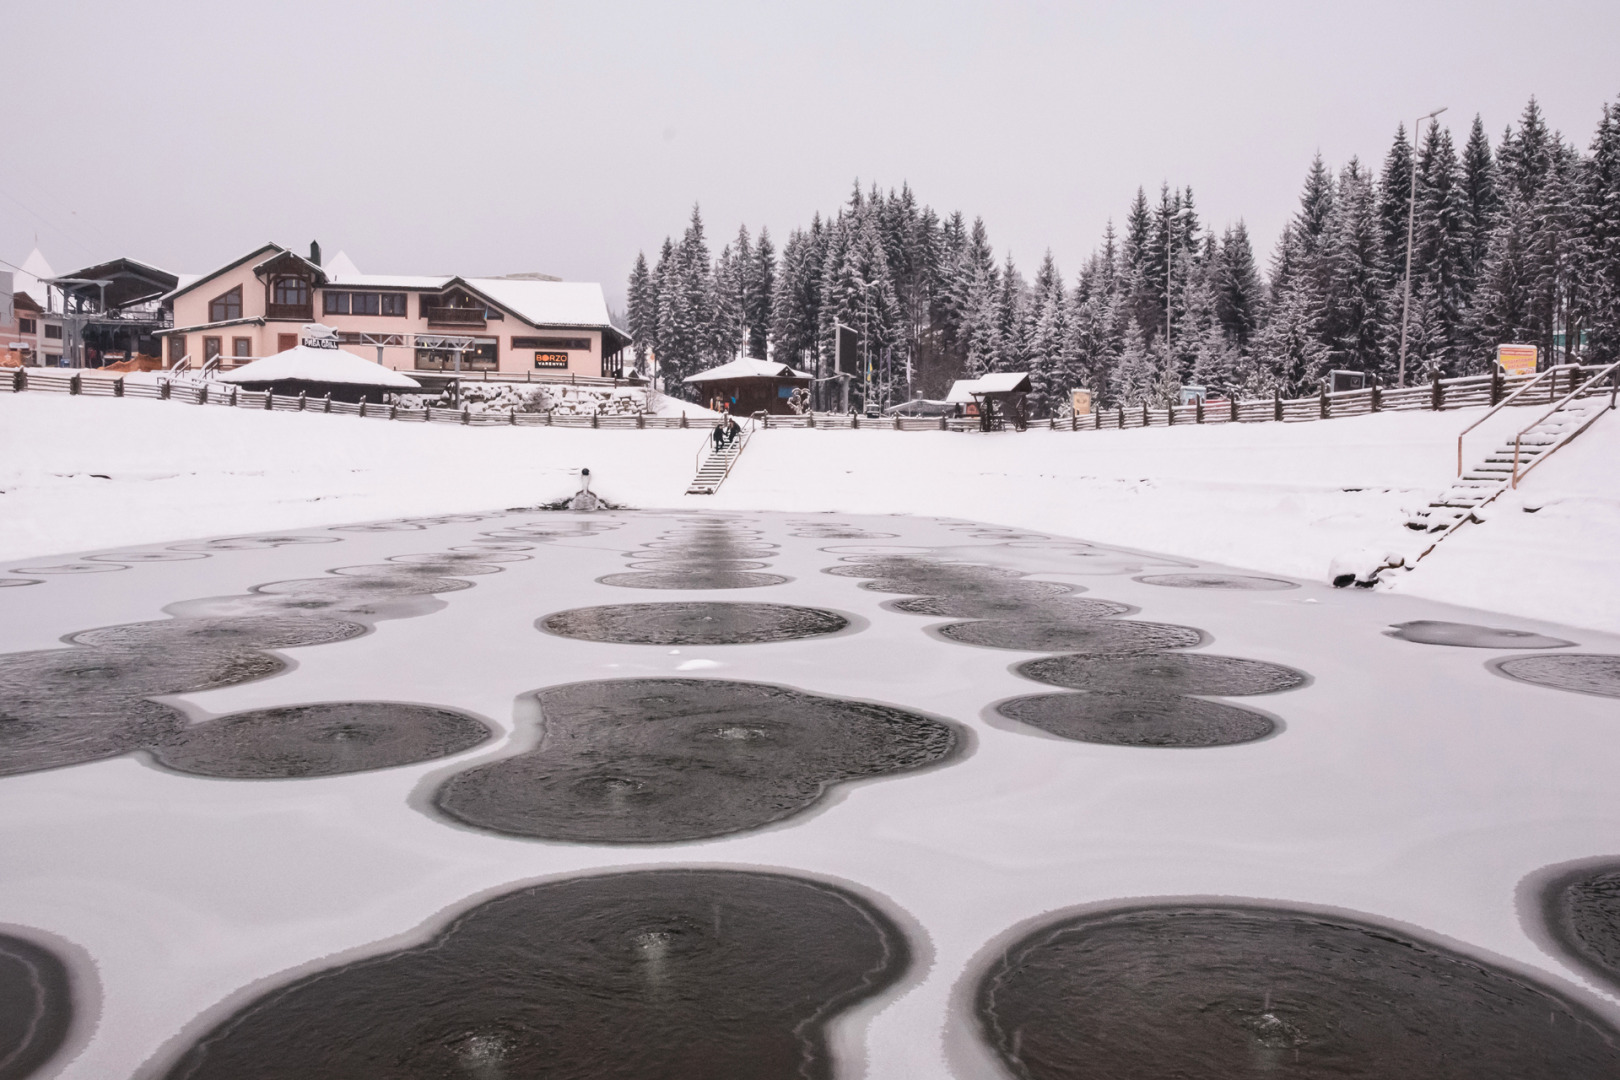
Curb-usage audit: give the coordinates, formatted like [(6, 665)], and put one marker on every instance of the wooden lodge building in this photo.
[(257, 305)]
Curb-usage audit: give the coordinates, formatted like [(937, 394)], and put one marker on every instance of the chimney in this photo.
[(315, 252)]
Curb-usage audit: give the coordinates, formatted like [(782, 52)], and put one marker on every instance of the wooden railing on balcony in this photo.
[(305, 312), (452, 316)]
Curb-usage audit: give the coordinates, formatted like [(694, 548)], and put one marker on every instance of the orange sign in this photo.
[(551, 360), (1517, 359)]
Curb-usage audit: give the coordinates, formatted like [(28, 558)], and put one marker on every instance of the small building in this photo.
[(112, 313), (317, 367), (255, 305), (32, 336), (994, 398), (749, 385)]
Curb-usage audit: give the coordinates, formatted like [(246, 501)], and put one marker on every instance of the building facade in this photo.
[(255, 306)]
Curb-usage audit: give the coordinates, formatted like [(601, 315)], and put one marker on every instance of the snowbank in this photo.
[(80, 474)]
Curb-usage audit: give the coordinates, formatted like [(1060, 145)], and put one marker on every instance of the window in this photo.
[(292, 292), (393, 303), (241, 346), (211, 348), (27, 326), (364, 303), (177, 348), (53, 331), (483, 356), (337, 303), (226, 306), (583, 344)]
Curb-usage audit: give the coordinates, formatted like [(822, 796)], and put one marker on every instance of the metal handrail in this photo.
[(1494, 410), (1516, 476), (702, 456)]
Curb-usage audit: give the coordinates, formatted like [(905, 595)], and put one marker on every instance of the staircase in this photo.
[(717, 466), (1503, 467)]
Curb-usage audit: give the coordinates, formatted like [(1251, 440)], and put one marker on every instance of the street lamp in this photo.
[(1411, 215)]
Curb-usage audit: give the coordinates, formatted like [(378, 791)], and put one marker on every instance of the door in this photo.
[(285, 342)]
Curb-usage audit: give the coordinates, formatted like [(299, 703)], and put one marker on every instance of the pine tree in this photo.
[(760, 295), (1480, 197), (1315, 207), (642, 310), (1136, 378), (1600, 238), (1239, 295), (1394, 197), (1354, 306)]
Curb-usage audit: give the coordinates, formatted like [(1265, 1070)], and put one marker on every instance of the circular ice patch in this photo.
[(1582, 910), (36, 1006), (1103, 637), (1216, 990), (1469, 636), (1164, 673), (693, 623), (1583, 673), (1139, 720), (1216, 581)]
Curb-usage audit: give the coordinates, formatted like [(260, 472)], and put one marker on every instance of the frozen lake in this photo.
[(682, 794)]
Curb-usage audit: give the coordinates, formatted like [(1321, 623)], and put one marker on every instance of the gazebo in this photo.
[(748, 385), (317, 367), (995, 398)]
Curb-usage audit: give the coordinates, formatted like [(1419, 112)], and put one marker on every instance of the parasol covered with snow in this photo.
[(317, 366)]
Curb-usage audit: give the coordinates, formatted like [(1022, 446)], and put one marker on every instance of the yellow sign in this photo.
[(1517, 359), (1081, 400)]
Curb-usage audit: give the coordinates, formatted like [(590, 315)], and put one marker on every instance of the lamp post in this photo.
[(1411, 216)]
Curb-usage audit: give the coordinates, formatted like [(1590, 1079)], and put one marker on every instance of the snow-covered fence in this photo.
[(572, 406)]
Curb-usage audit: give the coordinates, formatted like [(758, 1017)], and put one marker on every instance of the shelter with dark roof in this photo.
[(112, 312), (994, 398), (749, 385)]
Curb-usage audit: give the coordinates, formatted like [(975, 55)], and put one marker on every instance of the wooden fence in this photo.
[(1438, 394)]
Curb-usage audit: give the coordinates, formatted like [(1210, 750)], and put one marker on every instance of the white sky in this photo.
[(487, 138)]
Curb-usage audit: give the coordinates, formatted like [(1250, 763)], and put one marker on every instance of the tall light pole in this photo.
[(1411, 217)]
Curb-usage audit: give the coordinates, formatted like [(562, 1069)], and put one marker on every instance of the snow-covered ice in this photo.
[(1407, 783)]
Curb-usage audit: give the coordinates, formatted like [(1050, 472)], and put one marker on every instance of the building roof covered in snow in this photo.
[(304, 364), (748, 367), (966, 391)]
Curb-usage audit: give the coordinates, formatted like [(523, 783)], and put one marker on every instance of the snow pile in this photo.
[(84, 473), (560, 399)]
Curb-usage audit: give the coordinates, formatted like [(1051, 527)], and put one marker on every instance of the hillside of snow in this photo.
[(82, 474)]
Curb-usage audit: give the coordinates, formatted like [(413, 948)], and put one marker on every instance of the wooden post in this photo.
[(303, 400), (1322, 402), (1437, 394), (1169, 416), (855, 421), (641, 421), (270, 402), (1276, 403), (328, 406), (683, 419), (19, 381), (513, 418), (163, 389), (1198, 415), (1144, 414), (1234, 404), (1377, 395), (118, 386), (74, 385), (235, 392), (944, 423), (393, 410), (550, 411), (202, 394), (594, 423), (466, 416), (1496, 385), (362, 405), (1122, 418)]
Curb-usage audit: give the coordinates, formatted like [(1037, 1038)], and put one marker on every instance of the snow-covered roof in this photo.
[(340, 265), (337, 279), (997, 382), (748, 367), (27, 279), (304, 364), (548, 303)]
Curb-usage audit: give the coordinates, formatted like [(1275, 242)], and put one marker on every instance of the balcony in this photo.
[(455, 316), (304, 312)]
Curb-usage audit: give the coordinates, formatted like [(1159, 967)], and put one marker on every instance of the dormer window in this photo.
[(226, 306), (292, 292)]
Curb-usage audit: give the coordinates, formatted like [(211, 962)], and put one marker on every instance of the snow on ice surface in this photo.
[(1410, 785), (84, 473)]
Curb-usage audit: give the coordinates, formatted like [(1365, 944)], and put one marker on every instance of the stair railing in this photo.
[(1579, 390), (733, 451), (1499, 406)]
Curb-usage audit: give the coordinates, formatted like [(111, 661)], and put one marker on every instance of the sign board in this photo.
[(1341, 382), (551, 360), (8, 310), (1081, 402), (316, 336), (1517, 359), (846, 351)]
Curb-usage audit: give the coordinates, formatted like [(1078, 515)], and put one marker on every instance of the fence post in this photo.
[(855, 421), (1234, 404), (1276, 403), (393, 410), (811, 424), (1322, 399), (118, 386), (303, 400), (1144, 414), (1169, 416), (202, 394), (466, 416), (270, 402), (683, 418), (1496, 385), (641, 421), (1377, 395), (1437, 395), (1122, 418), (594, 422), (163, 389), (19, 380), (74, 385), (1096, 420), (550, 411), (1198, 415), (512, 418), (327, 407)]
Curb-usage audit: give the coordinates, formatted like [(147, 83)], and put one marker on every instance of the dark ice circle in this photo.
[(1139, 720), (1164, 673), (693, 623), (1244, 582), (1582, 673)]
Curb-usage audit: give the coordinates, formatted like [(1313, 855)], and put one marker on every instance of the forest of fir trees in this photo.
[(1519, 242)]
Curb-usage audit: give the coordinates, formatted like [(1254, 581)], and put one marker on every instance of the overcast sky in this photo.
[(489, 138)]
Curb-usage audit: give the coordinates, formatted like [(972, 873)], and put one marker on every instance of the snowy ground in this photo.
[(1409, 784), (80, 474)]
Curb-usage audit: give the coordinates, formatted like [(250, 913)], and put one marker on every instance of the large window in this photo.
[(27, 326), (292, 292), (483, 356), (365, 303), (583, 344), (241, 346), (53, 331), (226, 306)]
